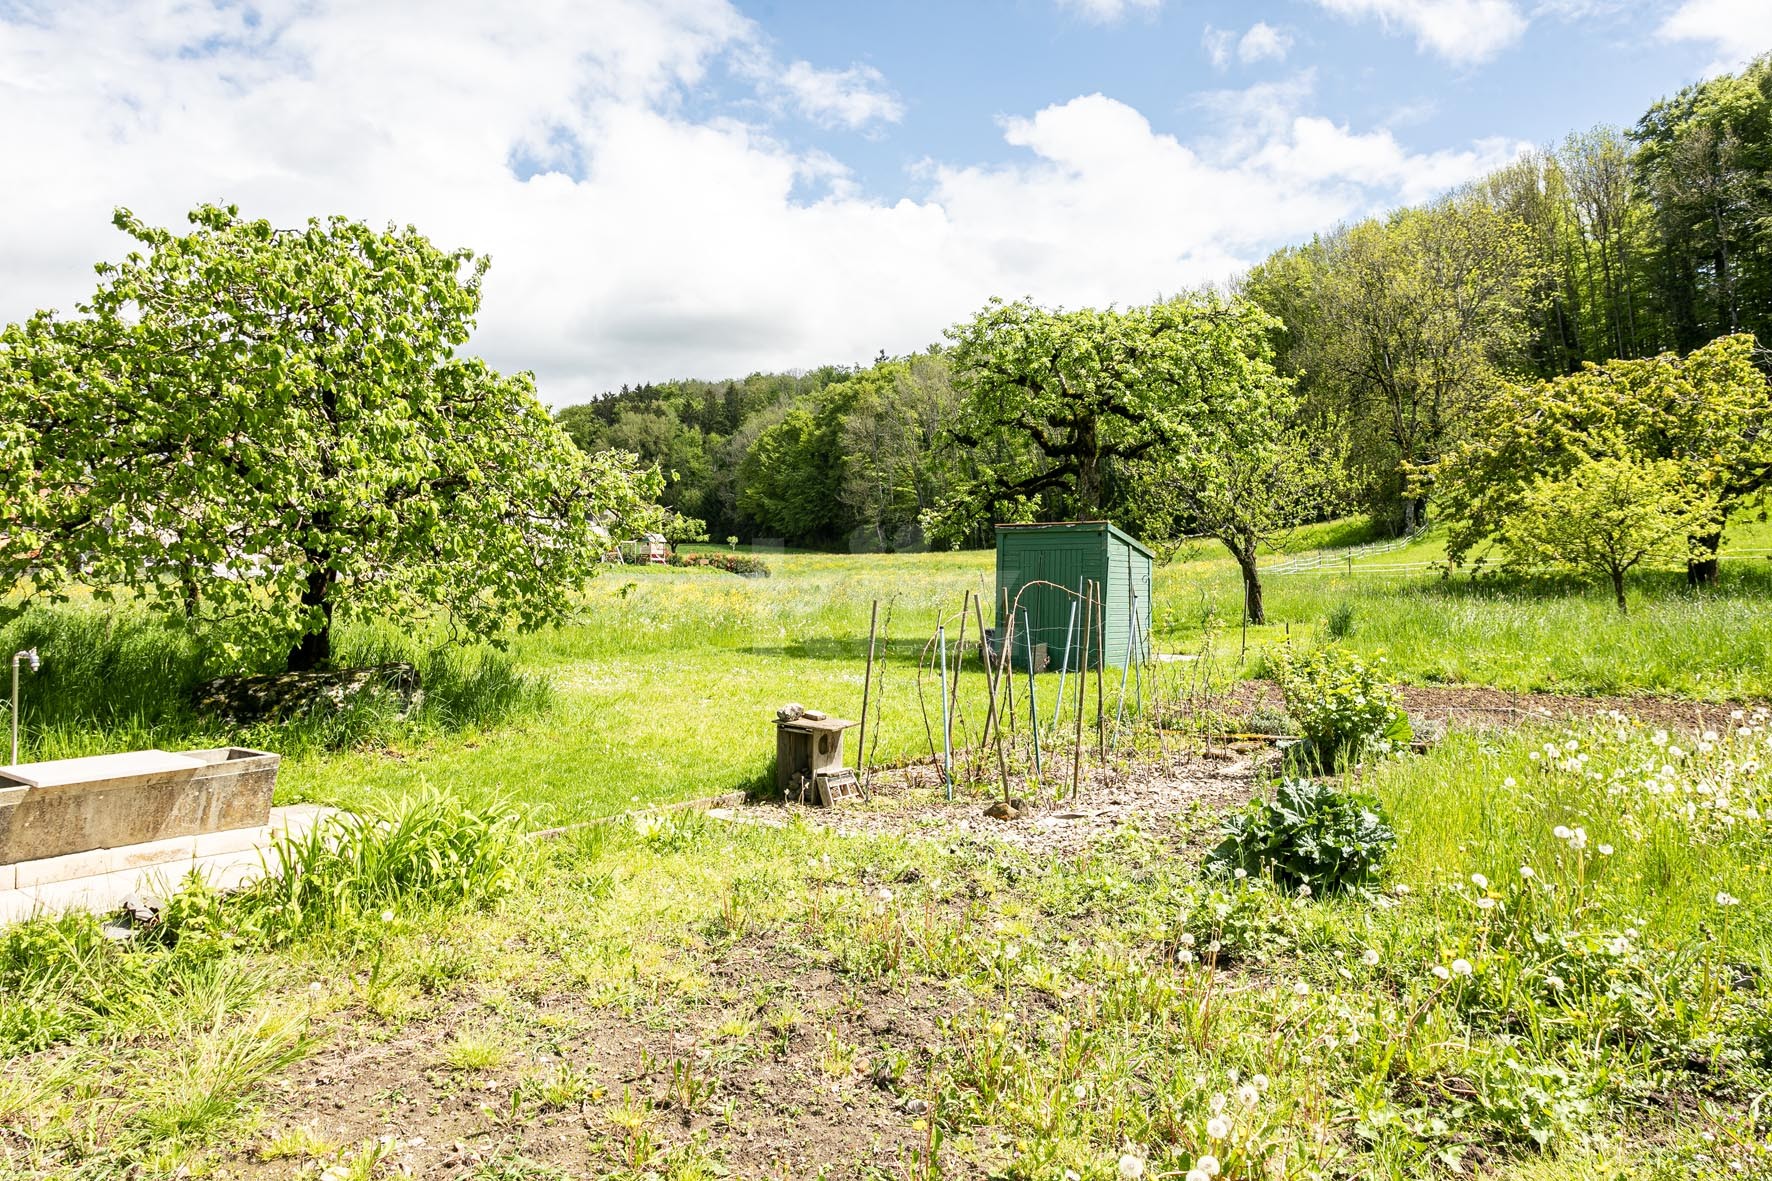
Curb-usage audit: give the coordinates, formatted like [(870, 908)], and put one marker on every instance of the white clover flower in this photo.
[(1461, 967), (1207, 1164), (1370, 957), (1479, 881), (1131, 1168), (1218, 1127)]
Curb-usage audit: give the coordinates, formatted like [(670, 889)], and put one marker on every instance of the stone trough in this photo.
[(87, 833)]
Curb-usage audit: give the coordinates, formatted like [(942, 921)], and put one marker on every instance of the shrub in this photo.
[(731, 563), (1311, 834), (1342, 708)]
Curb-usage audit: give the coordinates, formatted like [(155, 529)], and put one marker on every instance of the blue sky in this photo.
[(706, 187)]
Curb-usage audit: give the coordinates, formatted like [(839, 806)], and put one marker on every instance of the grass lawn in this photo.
[(689, 999)]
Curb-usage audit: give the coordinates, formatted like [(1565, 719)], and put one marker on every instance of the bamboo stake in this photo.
[(1070, 631), (867, 685), (959, 656)]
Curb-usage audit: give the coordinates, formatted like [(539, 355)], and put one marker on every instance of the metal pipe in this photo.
[(1069, 635), (947, 728), (29, 654), (1027, 632)]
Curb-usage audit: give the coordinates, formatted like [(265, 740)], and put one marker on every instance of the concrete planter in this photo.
[(108, 801)]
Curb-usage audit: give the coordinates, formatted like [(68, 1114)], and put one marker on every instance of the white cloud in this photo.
[(1106, 12), (1263, 42), (1218, 43), (651, 237), (1461, 31), (1737, 29), (853, 98)]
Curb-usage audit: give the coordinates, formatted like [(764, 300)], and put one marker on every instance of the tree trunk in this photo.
[(1252, 604), (1088, 469), (1618, 591), (315, 648), (1701, 566)]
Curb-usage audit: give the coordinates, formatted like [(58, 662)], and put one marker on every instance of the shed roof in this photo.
[(1112, 529)]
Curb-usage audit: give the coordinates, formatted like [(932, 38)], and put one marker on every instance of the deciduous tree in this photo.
[(277, 423)]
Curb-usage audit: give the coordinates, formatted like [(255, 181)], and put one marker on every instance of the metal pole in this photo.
[(29, 654), (947, 729), (1082, 684), (1027, 632), (867, 685), (1069, 633)]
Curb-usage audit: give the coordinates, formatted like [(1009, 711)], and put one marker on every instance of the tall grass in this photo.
[(121, 678)]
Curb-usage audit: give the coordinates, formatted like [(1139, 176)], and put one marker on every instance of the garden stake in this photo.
[(1082, 683), (1100, 672), (1027, 642), (1069, 634), (947, 728), (1006, 679), (867, 684), (959, 656), (1008, 705), (990, 684)]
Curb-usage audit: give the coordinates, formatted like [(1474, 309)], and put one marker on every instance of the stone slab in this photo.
[(98, 768)]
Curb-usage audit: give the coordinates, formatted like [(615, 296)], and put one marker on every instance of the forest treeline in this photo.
[(1396, 334)]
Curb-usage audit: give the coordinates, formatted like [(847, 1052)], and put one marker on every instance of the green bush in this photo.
[(1311, 834), (1344, 711)]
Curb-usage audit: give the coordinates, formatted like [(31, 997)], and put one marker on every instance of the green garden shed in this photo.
[(1067, 553)]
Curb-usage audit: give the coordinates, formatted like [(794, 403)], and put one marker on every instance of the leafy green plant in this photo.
[(1342, 708), (428, 849), (1310, 834)]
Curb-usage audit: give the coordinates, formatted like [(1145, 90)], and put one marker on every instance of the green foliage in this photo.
[(1058, 407), (1344, 709), (1700, 426), (1312, 833), (429, 850), (1606, 517), (272, 428), (1401, 328)]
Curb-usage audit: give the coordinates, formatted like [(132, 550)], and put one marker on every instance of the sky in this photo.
[(705, 188)]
